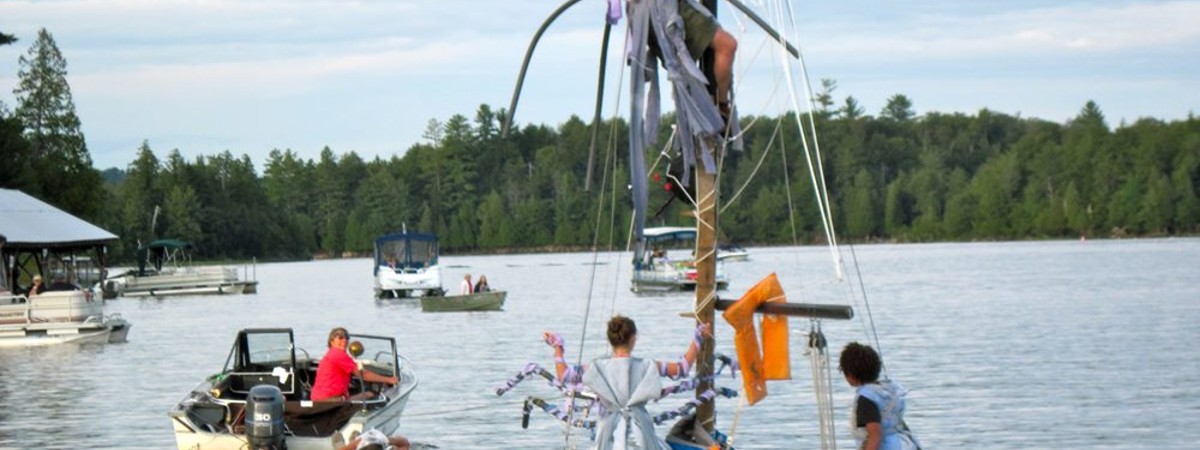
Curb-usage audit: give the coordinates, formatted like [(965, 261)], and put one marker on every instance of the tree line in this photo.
[(894, 176)]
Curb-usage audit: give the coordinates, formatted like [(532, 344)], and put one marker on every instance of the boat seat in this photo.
[(319, 419), (242, 382)]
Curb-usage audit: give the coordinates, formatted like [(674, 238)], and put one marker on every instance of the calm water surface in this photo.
[(1011, 345)]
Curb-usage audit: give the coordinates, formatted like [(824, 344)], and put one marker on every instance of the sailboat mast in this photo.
[(706, 258), (706, 286)]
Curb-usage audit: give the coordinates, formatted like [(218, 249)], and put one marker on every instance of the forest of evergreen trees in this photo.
[(894, 177)]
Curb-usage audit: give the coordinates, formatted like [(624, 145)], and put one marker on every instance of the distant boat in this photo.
[(165, 268), (732, 253), (406, 265), (262, 395), (668, 268), (479, 301), (37, 239)]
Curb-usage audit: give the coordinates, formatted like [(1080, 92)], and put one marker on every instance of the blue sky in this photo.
[(367, 76)]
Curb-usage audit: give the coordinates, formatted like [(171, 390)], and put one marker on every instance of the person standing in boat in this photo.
[(877, 416), (465, 288), (625, 384), (482, 284), (335, 369)]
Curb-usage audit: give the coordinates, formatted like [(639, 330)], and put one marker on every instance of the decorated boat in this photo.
[(704, 134), (261, 398), (406, 265)]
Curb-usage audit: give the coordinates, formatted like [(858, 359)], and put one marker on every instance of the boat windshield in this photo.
[(377, 349), (257, 350)]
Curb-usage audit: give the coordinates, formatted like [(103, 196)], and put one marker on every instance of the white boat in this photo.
[(732, 253), (671, 265), (39, 240), (221, 412), (406, 266), (58, 317), (164, 268)]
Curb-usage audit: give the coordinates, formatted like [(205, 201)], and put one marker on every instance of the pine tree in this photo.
[(60, 153)]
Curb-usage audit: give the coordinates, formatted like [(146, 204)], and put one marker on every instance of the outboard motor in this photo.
[(264, 418)]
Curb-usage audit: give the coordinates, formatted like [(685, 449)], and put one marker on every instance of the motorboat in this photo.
[(732, 253), (478, 301), (668, 267), (261, 399), (165, 268), (406, 265), (40, 241), (58, 317)]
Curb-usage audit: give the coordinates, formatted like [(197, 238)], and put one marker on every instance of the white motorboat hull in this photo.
[(399, 283), (665, 279), (734, 256)]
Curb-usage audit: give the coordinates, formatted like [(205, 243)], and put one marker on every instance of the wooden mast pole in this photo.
[(706, 286), (706, 254)]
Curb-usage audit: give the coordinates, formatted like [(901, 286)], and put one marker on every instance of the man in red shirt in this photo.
[(333, 374)]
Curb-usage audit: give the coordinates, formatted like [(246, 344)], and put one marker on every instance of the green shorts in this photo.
[(698, 29)]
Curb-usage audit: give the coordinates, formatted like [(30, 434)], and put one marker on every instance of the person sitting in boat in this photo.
[(482, 284), (660, 258), (335, 369), (37, 287), (466, 288), (375, 440), (391, 262), (877, 416)]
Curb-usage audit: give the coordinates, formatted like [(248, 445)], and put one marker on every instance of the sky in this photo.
[(245, 76)]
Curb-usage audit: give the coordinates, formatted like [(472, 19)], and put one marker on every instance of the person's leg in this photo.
[(724, 47)]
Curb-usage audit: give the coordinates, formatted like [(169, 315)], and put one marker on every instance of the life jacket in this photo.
[(889, 397), (774, 362)]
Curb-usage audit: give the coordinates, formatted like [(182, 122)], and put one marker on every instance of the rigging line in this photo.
[(612, 165), (792, 213), (874, 336), (812, 126), (753, 173), (818, 185), (596, 250)]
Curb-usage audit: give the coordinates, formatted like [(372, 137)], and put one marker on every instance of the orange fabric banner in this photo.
[(774, 361)]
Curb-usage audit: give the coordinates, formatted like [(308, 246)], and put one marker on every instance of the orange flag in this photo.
[(774, 362)]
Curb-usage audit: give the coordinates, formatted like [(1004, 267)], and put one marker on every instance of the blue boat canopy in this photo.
[(406, 250)]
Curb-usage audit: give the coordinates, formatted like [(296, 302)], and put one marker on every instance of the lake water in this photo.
[(1003, 345)]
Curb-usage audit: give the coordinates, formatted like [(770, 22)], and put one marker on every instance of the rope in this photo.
[(567, 429)]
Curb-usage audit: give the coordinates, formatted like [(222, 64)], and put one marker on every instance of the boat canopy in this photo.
[(161, 252), (31, 224), (665, 234), (407, 250), (171, 244)]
